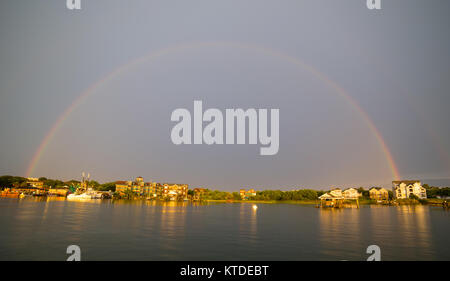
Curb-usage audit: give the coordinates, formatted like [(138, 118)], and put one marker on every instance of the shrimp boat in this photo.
[(80, 196), (83, 192)]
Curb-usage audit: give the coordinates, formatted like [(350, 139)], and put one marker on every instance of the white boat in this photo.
[(82, 196), (84, 192)]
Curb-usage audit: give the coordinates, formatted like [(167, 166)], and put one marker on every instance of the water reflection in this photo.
[(172, 219), (172, 227), (38, 228), (401, 232), (248, 223), (414, 228), (339, 228)]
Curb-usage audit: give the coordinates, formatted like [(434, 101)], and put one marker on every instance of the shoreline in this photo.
[(431, 201), (348, 204)]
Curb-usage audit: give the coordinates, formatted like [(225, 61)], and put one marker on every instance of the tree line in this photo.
[(278, 195), (8, 181), (20, 182), (434, 192)]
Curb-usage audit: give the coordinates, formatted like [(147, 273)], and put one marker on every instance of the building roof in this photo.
[(330, 195), (121, 182), (377, 188), (406, 181), (325, 195)]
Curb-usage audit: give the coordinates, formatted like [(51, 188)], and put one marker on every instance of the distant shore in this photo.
[(304, 202), (431, 201)]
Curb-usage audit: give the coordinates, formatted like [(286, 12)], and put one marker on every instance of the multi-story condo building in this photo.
[(174, 191), (403, 189), (138, 186)]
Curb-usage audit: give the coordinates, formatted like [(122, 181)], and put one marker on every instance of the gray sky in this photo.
[(394, 63)]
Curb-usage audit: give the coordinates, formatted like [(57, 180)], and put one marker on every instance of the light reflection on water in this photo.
[(248, 232), (42, 228), (402, 232)]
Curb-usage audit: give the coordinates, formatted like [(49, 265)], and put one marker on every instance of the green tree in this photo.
[(11, 181), (94, 184), (129, 194), (53, 183), (236, 196), (391, 195), (109, 186)]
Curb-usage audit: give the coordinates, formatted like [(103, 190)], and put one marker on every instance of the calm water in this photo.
[(41, 229)]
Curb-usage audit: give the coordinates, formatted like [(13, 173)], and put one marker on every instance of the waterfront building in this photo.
[(173, 191), (149, 189), (246, 194), (32, 185), (138, 186), (251, 192), (336, 192), (351, 193), (10, 193), (332, 199), (198, 193), (35, 183), (403, 189), (378, 193), (122, 186), (62, 192)]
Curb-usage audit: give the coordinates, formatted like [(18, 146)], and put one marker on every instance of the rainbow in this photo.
[(183, 47)]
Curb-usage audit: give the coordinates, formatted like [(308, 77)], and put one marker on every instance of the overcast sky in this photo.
[(394, 63)]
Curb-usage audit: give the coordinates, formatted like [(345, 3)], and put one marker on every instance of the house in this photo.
[(336, 192), (198, 193), (351, 193), (251, 192), (247, 194), (331, 199), (378, 193), (404, 188)]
